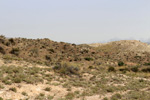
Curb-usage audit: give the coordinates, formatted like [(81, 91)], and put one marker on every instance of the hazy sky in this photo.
[(76, 21)]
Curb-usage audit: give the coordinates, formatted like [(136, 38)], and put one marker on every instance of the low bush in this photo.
[(111, 69), (24, 93), (147, 64), (17, 80), (88, 59), (48, 57), (47, 89), (124, 69), (51, 50), (120, 63), (116, 96), (66, 69), (135, 69), (15, 51), (2, 50), (1, 98), (13, 89), (11, 40), (146, 70)]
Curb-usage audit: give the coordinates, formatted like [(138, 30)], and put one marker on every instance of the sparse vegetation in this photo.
[(24, 93), (47, 89), (111, 69), (146, 69), (116, 97), (13, 89), (15, 51), (66, 69), (42, 69), (135, 69), (120, 63), (88, 59), (2, 50), (1, 98)]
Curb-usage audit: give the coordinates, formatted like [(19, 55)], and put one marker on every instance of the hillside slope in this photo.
[(42, 69), (48, 52), (43, 51), (125, 50)]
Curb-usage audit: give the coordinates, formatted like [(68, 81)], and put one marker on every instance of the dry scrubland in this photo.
[(42, 69)]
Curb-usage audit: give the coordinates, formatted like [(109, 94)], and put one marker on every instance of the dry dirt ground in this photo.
[(90, 84)]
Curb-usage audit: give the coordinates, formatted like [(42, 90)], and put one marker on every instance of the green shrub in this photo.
[(48, 57), (116, 96), (1, 98), (66, 69), (109, 90), (124, 69), (105, 98), (51, 50), (15, 51), (42, 95), (146, 70), (120, 63), (1, 86), (7, 82), (111, 69), (47, 89), (70, 96), (11, 40), (2, 50), (50, 97), (147, 64), (13, 89), (24, 93), (88, 59), (135, 69), (17, 80), (91, 67)]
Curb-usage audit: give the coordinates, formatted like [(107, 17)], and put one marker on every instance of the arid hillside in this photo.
[(125, 50), (48, 52), (126, 45), (42, 69), (43, 51)]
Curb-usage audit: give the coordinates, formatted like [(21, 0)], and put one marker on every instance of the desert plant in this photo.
[(146, 70), (105, 98), (1, 86), (1, 98), (70, 96), (17, 80), (47, 89), (15, 51), (48, 57), (147, 64), (24, 93), (135, 69), (2, 50), (109, 90), (88, 59), (42, 94), (11, 40), (66, 68), (50, 97), (51, 50), (13, 89), (120, 63), (111, 69), (116, 96)]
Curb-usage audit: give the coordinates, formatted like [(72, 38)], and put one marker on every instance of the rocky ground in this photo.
[(42, 69), (26, 81)]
